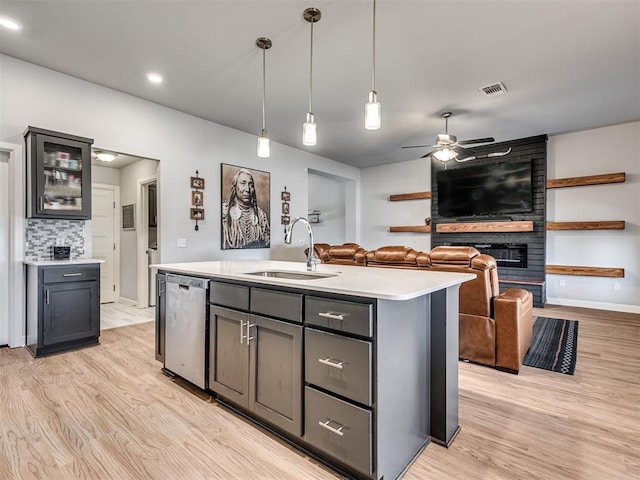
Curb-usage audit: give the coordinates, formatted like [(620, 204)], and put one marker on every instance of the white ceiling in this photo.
[(569, 65)]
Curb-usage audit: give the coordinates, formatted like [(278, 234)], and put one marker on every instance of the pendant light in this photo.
[(264, 144), (310, 129), (372, 109)]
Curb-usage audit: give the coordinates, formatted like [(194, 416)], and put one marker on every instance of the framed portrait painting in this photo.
[(245, 208)]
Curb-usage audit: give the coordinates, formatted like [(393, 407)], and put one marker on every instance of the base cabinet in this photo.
[(63, 307), (255, 362)]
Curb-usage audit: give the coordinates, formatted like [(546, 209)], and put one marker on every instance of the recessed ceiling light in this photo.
[(106, 156), (10, 23), (154, 77)]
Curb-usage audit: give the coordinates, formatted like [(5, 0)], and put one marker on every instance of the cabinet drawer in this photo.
[(339, 429), (339, 315), (71, 273), (229, 295), (339, 364), (277, 304)]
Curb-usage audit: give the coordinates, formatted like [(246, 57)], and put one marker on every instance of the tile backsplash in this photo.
[(42, 234)]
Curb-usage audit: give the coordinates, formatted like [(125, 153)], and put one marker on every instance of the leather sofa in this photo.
[(495, 328)]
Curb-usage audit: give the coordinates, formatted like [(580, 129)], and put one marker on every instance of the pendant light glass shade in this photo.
[(309, 128), (373, 109), (264, 144), (372, 112), (310, 131)]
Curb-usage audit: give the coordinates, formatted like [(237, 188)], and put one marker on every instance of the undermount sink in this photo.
[(291, 275)]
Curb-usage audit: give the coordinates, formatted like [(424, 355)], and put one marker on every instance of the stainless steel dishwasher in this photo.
[(185, 327)]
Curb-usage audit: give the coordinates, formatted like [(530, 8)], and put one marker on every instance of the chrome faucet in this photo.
[(311, 258)]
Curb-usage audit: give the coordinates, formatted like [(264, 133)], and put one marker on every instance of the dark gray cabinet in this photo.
[(63, 307), (58, 174), (256, 362)]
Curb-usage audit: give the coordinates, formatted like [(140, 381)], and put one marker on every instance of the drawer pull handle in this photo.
[(329, 363), (332, 315), (337, 431), (71, 274)]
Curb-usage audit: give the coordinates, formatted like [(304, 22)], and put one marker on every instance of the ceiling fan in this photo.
[(448, 147)]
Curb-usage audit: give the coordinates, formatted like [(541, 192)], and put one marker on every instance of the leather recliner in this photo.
[(495, 329), (393, 257), (345, 254)]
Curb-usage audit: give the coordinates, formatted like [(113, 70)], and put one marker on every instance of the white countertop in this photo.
[(371, 282), (51, 263)]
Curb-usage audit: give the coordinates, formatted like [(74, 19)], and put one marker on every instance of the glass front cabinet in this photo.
[(58, 175)]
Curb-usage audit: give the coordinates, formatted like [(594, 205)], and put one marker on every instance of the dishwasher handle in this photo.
[(185, 282)]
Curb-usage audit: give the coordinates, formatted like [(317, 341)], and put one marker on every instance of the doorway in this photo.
[(4, 248), (12, 180), (128, 178)]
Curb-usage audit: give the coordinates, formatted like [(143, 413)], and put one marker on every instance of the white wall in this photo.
[(378, 213), (129, 177), (605, 150), (105, 175), (33, 95), (327, 195)]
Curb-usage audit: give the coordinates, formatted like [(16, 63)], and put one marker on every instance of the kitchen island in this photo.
[(356, 366)]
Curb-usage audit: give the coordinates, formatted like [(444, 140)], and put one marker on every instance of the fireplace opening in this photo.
[(513, 255)]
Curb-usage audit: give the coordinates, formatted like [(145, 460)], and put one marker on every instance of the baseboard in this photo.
[(127, 301), (614, 307)]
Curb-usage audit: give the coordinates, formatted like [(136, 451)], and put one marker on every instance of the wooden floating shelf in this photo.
[(521, 282), (585, 271), (603, 179), (522, 226), (413, 229), (608, 225), (409, 196)]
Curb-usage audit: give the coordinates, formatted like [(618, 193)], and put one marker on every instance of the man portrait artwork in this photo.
[(245, 208)]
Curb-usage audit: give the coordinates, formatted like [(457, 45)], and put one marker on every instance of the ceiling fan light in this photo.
[(310, 131), (445, 154), (264, 145), (372, 112), (106, 156)]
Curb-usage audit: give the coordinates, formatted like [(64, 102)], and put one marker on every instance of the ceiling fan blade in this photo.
[(417, 146), (464, 151), (477, 140)]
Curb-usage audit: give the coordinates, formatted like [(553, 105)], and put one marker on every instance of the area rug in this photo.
[(554, 345)]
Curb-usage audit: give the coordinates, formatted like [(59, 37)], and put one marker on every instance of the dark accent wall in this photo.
[(534, 149)]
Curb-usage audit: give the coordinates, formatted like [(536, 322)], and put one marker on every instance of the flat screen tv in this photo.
[(485, 190)]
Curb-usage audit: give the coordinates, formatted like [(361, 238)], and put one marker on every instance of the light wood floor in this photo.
[(107, 412), (113, 315)]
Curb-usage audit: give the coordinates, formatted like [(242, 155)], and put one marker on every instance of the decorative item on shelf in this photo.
[(427, 221), (309, 128), (197, 199), (314, 216)]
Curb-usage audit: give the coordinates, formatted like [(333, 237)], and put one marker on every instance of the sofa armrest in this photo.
[(513, 313)]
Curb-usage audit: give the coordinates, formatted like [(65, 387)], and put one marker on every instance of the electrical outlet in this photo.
[(182, 243), (562, 283), (617, 287)]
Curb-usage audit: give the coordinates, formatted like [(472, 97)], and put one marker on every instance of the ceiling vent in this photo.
[(493, 90)]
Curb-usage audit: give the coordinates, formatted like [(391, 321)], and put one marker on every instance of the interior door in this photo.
[(4, 248), (103, 238)]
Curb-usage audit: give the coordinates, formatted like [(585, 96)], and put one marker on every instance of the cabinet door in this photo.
[(229, 355), (275, 386), (59, 176), (161, 315), (71, 312)]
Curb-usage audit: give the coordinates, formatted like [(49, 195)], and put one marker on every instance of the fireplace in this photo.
[(513, 255)]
